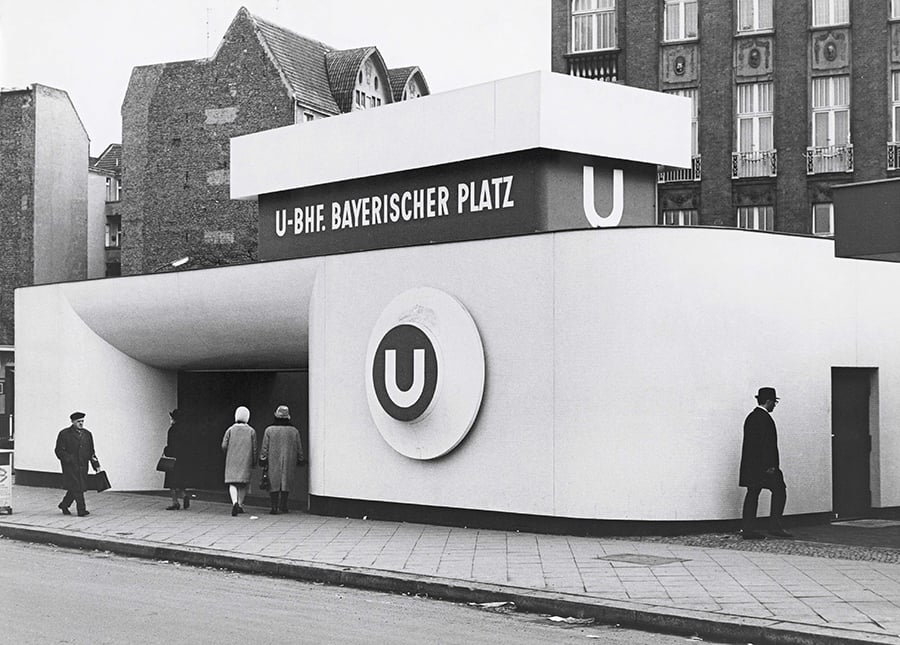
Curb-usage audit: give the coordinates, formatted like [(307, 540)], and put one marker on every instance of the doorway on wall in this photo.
[(206, 405), (852, 406)]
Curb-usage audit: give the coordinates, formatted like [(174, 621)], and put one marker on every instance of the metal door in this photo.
[(851, 443)]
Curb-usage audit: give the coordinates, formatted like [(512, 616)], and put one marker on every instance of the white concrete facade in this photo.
[(619, 366), (535, 110), (619, 363)]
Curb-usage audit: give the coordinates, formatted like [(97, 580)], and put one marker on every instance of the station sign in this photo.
[(505, 195), (425, 373)]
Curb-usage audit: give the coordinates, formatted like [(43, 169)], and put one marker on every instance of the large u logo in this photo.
[(618, 199), (404, 398), (405, 387)]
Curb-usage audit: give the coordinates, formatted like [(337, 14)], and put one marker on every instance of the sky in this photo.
[(89, 47)]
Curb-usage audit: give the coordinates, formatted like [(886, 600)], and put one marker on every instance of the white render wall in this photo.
[(620, 364), (63, 366), (112, 348), (620, 367), (535, 110)]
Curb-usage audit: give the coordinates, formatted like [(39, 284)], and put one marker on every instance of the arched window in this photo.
[(411, 90), (369, 91)]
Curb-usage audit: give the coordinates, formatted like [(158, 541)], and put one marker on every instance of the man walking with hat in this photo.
[(74, 449), (760, 467)]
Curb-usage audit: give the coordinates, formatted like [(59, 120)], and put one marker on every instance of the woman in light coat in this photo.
[(239, 446), (280, 453)]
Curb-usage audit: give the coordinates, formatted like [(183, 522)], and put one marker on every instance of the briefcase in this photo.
[(98, 481)]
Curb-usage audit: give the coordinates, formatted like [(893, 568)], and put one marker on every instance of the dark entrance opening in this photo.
[(7, 410), (851, 441), (206, 404)]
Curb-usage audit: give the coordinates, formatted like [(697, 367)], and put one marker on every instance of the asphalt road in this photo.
[(53, 595)]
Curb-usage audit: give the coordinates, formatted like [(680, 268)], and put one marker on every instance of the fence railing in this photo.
[(829, 159), (762, 163), (893, 155), (602, 65), (668, 174)]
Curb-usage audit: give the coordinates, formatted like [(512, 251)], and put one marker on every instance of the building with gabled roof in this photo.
[(789, 99), (110, 159), (104, 216), (178, 119), (407, 83), (44, 151)]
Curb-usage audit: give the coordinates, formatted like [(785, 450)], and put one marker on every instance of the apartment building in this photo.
[(790, 97), (178, 119), (105, 220), (43, 207)]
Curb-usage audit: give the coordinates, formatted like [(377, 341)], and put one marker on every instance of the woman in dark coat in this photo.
[(178, 446), (280, 453)]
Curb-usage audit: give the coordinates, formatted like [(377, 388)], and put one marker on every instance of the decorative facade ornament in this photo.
[(830, 50), (753, 57), (680, 63)]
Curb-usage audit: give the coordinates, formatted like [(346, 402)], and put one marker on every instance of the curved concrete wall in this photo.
[(239, 317), (112, 348), (66, 366), (620, 367), (620, 364)]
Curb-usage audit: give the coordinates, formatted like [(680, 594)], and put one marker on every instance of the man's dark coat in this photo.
[(760, 449), (74, 451)]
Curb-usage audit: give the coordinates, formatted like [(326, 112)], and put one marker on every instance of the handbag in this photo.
[(165, 464), (98, 481), (264, 483)]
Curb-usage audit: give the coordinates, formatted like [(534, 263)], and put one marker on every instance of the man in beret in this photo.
[(760, 467), (75, 449)]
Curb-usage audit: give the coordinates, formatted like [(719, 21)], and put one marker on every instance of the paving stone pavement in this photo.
[(802, 586)]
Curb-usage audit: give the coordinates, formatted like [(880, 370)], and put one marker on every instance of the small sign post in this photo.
[(6, 472)]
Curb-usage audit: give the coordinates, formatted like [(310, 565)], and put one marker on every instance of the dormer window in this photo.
[(369, 91), (412, 90)]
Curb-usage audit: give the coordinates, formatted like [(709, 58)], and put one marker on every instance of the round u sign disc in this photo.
[(424, 373), (405, 372)]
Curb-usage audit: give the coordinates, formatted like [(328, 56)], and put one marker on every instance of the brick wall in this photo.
[(873, 50), (136, 181), (642, 24), (559, 35), (16, 202), (716, 113), (791, 128), (870, 89), (177, 121)]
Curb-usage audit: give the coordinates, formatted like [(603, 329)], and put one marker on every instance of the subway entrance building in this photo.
[(468, 306)]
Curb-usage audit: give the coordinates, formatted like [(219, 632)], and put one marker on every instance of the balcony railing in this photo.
[(893, 155), (602, 65), (829, 159), (762, 163), (668, 174)]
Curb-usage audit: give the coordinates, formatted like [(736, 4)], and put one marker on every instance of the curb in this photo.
[(685, 622)]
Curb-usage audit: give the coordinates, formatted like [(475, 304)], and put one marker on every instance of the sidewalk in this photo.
[(727, 594)]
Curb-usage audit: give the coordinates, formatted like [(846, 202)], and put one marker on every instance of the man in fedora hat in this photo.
[(75, 449), (760, 467)]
